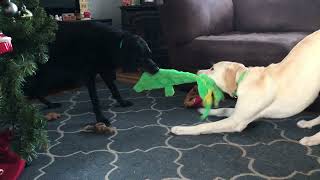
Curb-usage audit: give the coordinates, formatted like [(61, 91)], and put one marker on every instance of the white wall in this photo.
[(103, 9)]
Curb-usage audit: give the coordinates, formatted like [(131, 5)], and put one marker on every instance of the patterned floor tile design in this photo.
[(143, 149)]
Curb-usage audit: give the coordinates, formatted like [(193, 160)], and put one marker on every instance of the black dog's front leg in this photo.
[(49, 104), (114, 90), (91, 85)]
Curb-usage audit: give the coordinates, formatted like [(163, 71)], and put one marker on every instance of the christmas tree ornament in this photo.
[(5, 44), (25, 13), (9, 8)]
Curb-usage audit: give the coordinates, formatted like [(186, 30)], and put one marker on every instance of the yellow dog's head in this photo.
[(225, 74)]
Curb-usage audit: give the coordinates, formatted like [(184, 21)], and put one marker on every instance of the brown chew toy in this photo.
[(193, 99), (52, 116), (99, 128), (189, 100)]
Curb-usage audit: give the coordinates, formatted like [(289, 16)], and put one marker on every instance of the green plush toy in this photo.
[(167, 78)]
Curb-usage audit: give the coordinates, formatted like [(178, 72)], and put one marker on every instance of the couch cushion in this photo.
[(183, 20), (276, 15), (251, 49)]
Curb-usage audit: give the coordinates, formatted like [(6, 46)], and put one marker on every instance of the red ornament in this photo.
[(5, 44)]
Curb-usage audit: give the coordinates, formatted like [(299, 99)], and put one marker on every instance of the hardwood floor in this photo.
[(130, 78)]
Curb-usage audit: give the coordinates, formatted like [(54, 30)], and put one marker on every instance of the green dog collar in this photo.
[(241, 78)]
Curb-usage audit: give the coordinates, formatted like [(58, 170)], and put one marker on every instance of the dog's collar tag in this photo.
[(241, 78), (121, 43)]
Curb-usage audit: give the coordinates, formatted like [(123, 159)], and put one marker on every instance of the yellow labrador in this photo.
[(277, 91)]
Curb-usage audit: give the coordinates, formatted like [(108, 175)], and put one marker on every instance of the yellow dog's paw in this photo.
[(304, 124), (183, 130), (309, 141), (177, 130)]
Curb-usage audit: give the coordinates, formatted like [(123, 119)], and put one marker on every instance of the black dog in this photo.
[(82, 51)]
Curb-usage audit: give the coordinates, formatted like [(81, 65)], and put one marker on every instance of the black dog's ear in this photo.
[(148, 49), (143, 46)]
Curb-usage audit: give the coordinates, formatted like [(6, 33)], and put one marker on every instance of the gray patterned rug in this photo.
[(143, 148)]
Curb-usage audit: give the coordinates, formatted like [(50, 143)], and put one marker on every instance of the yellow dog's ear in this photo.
[(230, 77)]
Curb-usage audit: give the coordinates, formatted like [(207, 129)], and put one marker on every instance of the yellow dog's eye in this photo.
[(211, 69)]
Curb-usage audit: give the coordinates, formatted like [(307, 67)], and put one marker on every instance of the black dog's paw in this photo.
[(54, 105), (104, 120), (125, 103)]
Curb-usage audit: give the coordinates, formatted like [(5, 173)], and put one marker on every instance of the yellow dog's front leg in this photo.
[(226, 125), (311, 141), (254, 96)]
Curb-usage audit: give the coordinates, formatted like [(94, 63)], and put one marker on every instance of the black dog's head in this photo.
[(136, 53)]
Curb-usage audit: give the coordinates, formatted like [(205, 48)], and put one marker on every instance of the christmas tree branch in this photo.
[(30, 38)]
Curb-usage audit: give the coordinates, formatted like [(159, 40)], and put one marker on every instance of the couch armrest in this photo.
[(184, 20)]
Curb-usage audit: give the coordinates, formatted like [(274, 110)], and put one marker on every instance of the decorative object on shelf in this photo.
[(130, 2), (126, 2), (147, 2), (9, 8), (84, 8), (135, 2), (5, 44), (151, 2), (58, 18), (86, 15), (69, 17)]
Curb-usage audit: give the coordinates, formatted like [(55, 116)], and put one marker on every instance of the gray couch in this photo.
[(253, 32)]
